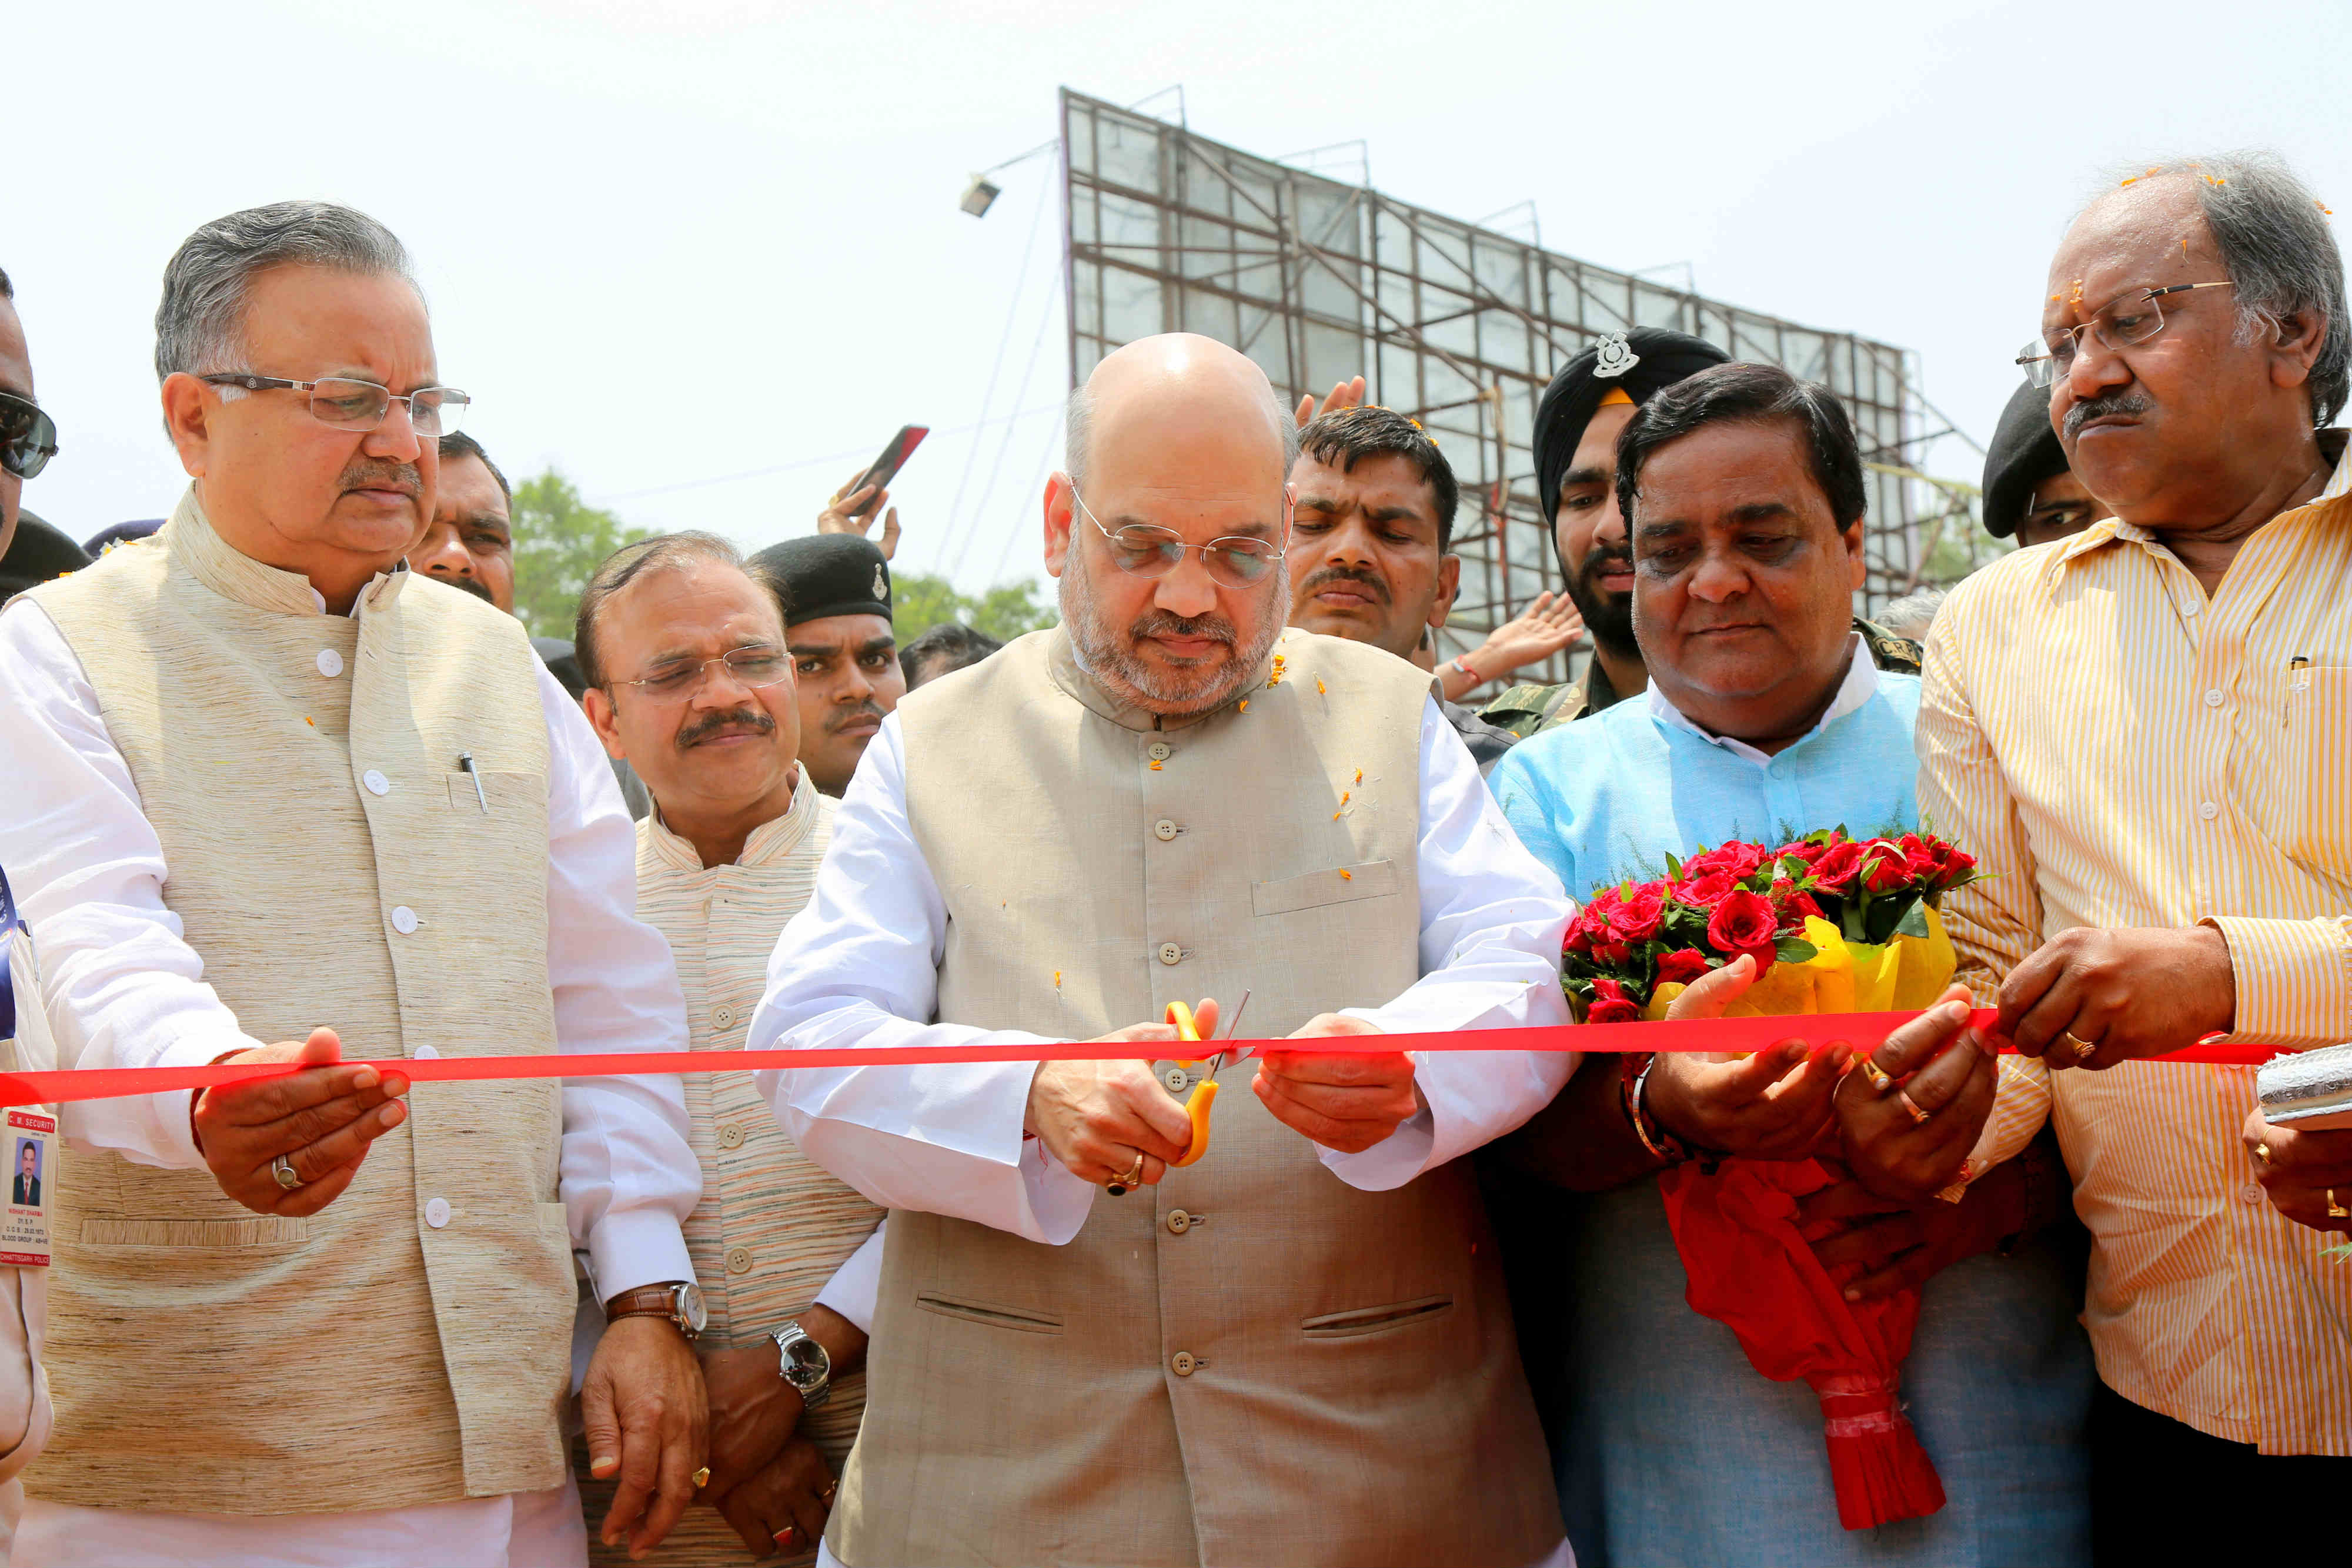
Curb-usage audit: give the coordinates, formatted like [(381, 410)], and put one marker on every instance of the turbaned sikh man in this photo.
[(1297, 1349), (263, 778)]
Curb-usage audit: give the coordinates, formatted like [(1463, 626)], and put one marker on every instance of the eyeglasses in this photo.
[(1139, 549), (28, 438), (755, 666), (2132, 317), (349, 405)]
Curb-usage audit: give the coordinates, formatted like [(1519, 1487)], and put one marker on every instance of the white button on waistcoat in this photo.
[(404, 919), (722, 1014), (437, 1213), (377, 782), (330, 663), (426, 1053)]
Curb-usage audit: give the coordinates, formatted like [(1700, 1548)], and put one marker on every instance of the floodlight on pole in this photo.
[(979, 195), (982, 193)]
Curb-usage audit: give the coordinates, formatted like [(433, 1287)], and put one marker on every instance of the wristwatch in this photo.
[(805, 1364), (680, 1302)]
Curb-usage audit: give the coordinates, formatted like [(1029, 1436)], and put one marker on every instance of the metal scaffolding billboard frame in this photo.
[(1461, 326)]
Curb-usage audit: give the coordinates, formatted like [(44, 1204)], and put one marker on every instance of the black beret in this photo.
[(2024, 453), (1659, 359), (828, 574), (38, 554), (120, 534)]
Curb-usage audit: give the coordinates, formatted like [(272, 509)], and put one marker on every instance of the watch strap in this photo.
[(648, 1301), (813, 1395)]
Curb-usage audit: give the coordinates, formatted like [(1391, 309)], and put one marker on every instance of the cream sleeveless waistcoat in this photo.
[(207, 1359), (1252, 1363)]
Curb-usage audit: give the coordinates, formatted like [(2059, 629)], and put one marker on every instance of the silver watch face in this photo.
[(805, 1362), (692, 1315)]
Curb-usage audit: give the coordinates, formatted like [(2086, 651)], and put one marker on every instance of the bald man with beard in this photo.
[(1297, 1348)]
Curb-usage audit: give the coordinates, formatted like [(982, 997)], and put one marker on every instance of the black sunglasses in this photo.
[(28, 438)]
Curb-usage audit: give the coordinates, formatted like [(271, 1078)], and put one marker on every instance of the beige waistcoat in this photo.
[(207, 1359), (1253, 1362), (772, 1226)]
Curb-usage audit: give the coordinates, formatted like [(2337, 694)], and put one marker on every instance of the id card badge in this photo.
[(24, 1225)]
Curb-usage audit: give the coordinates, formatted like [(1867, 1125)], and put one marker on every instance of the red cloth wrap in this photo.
[(1752, 1271)]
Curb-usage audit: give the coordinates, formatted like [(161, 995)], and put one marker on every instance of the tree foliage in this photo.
[(560, 540), (919, 600)]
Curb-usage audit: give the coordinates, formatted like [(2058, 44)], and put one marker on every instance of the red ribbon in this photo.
[(1862, 1031)]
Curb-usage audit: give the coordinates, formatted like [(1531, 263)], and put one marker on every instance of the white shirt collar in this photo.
[(1860, 684)]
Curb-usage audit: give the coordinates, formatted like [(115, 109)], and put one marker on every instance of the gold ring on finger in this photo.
[(2335, 1209), (2080, 1049), (2263, 1153), (826, 1497), (703, 1477), (1880, 1079), (1119, 1185), (1919, 1118)]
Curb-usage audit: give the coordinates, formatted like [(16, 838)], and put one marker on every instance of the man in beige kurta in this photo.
[(1297, 1349), (692, 684)]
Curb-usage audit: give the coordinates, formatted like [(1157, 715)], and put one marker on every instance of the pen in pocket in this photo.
[(466, 763)]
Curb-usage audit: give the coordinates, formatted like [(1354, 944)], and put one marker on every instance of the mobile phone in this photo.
[(885, 467)]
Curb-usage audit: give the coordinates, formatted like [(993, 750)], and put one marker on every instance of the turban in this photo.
[(1658, 360), (828, 574), (2024, 453)]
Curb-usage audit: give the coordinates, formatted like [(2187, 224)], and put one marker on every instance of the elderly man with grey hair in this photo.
[(2143, 734), (1288, 1345), (272, 795)]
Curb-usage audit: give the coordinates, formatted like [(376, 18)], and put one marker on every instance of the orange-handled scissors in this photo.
[(1204, 1094)]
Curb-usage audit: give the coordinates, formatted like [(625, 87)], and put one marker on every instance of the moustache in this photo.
[(369, 473), (872, 710), (1605, 558), (1368, 581), (2099, 407), (741, 720), (1160, 624), (472, 585)]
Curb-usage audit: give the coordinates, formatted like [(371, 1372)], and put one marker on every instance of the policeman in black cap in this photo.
[(2029, 490), (844, 654), (1583, 412)]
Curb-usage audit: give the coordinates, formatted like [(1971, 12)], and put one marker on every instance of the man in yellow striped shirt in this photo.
[(2143, 733)]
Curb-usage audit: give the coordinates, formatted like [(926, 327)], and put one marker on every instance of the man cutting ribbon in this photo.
[(1169, 797)]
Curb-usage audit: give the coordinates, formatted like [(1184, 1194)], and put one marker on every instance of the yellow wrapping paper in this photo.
[(1842, 977)]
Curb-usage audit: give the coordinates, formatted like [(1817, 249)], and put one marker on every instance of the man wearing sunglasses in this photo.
[(264, 779), (27, 437), (1172, 797), (2142, 733)]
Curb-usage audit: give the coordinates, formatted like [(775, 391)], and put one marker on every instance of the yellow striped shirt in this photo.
[(771, 1227), (2117, 750)]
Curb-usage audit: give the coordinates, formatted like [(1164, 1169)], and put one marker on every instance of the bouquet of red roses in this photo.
[(1835, 925), (1842, 913)]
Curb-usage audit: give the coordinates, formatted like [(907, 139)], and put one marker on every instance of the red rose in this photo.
[(1705, 891), (1637, 919), (1804, 850), (1744, 923), (1611, 1003), (1957, 864), (1575, 941), (1884, 868), (1681, 968), (1793, 902), (1834, 871)]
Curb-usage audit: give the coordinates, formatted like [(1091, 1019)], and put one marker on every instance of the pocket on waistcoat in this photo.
[(991, 1314), (1340, 884), (262, 1233), (501, 793), (1359, 1322)]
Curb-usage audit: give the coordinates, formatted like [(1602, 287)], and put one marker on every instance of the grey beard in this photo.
[(1104, 656)]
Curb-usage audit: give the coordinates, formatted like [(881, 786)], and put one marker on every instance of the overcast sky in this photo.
[(703, 255)]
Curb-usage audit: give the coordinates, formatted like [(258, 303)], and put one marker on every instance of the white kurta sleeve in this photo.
[(120, 983), (1491, 921), (858, 968), (628, 1174), (855, 1289)]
